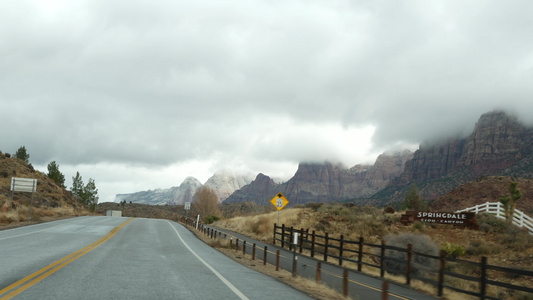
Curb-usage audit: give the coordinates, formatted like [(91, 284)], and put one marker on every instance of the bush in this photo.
[(491, 223), (453, 250), (211, 219), (420, 243)]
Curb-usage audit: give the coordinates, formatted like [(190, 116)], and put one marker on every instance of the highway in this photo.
[(123, 258)]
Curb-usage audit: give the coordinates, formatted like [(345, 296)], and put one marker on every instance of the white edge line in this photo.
[(226, 282)]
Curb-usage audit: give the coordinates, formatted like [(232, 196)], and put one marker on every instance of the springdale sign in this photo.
[(466, 219)]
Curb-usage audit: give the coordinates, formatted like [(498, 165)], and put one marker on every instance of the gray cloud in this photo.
[(262, 84)]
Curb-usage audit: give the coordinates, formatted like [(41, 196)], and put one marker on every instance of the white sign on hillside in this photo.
[(23, 185)]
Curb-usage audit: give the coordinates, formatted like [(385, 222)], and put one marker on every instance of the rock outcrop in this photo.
[(499, 145)]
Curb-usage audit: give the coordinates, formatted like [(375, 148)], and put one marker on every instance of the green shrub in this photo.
[(211, 219), (453, 250)]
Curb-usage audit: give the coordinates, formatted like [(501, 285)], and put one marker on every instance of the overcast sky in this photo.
[(141, 94)]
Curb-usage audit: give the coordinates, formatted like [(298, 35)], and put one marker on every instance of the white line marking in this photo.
[(226, 282)]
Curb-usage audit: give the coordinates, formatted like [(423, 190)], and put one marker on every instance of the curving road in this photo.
[(122, 258)]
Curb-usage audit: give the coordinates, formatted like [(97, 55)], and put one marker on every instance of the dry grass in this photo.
[(503, 246), (309, 287)]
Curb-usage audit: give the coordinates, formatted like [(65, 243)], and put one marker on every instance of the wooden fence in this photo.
[(385, 258), (520, 219)]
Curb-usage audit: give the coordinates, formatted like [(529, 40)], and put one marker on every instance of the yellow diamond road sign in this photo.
[(279, 201)]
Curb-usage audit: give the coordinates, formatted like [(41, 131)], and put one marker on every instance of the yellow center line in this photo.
[(26, 282)]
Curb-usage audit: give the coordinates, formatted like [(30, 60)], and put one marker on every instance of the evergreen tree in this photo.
[(90, 193), (22, 154), (77, 187), (55, 174), (413, 200)]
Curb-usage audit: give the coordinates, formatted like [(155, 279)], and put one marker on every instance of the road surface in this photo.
[(123, 258)]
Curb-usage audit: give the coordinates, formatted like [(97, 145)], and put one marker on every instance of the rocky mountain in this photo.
[(499, 145), (173, 196), (224, 183), (325, 182)]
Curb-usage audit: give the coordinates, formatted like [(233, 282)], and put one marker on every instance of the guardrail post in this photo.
[(265, 256), (244, 248), (382, 260), (231, 243), (318, 269), (326, 248), (345, 283), (341, 245), (442, 261), (483, 279), (408, 267), (237, 244), (253, 252), (385, 290), (360, 254), (277, 260)]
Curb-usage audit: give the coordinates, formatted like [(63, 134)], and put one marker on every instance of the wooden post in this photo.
[(274, 238), (345, 283), (382, 260), (483, 278), (318, 269), (231, 243), (244, 248), (265, 256), (277, 260), (237, 244), (326, 248), (301, 238), (253, 252), (313, 244), (341, 245), (360, 254), (282, 235), (408, 267), (291, 237), (442, 261), (385, 291)]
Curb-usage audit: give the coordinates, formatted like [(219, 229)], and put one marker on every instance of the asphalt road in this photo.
[(122, 258)]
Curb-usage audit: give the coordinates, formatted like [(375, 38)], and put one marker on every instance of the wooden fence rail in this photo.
[(379, 256)]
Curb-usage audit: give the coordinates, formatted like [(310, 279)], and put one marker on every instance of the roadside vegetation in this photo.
[(502, 243)]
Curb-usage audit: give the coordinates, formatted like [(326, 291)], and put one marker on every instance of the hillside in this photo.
[(49, 201), (485, 189)]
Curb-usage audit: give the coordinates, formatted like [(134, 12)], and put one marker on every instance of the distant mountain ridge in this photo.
[(326, 182), (498, 146), (224, 183)]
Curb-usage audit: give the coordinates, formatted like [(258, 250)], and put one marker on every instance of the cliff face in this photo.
[(261, 191), (326, 182), (499, 145)]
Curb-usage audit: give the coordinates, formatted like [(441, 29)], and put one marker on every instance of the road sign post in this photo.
[(279, 202)]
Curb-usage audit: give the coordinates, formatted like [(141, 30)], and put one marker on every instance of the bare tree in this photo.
[(205, 203)]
